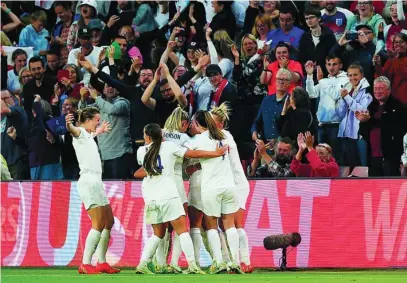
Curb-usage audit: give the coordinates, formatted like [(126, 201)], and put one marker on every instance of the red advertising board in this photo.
[(343, 223)]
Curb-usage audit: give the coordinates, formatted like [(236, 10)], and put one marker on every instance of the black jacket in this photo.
[(224, 20), (296, 121), (310, 52), (393, 125)]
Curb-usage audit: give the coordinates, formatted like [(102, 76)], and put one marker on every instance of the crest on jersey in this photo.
[(339, 22)]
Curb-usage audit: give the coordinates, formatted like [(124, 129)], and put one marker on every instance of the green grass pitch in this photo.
[(65, 275)]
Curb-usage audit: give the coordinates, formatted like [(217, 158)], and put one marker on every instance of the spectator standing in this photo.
[(262, 26), (354, 97), (335, 18), (321, 162), (283, 60), (271, 10), (395, 68), (264, 126), (35, 35), (61, 30), (224, 18), (15, 21), (316, 43), (14, 125), (44, 147), (115, 148), (328, 92), (252, 11), (383, 127), (362, 50), (296, 117), (397, 25), (287, 32), (366, 16), (19, 58), (87, 50), (41, 84), (53, 62)]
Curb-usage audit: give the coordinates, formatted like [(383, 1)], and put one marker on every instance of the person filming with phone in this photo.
[(358, 46)]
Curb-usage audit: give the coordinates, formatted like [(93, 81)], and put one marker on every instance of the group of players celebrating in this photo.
[(218, 190)]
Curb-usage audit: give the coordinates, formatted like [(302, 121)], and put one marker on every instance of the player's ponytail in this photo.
[(174, 121), (221, 113), (150, 159), (86, 113), (205, 120)]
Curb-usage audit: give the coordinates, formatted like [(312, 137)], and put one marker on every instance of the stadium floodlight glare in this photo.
[(283, 241)]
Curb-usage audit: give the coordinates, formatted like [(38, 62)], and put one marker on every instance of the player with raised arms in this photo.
[(91, 189)]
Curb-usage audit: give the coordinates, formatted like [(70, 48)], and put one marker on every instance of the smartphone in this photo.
[(62, 74), (352, 36)]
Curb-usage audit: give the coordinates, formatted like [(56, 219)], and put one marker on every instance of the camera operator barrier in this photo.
[(344, 223)]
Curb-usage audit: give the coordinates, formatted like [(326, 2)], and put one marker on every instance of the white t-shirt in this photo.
[(93, 57), (87, 152), (216, 172), (179, 139), (237, 169), (161, 187)]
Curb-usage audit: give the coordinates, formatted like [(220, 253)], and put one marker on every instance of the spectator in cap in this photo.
[(366, 16), (96, 26), (35, 35), (87, 11), (321, 162), (86, 50), (362, 49), (191, 58)]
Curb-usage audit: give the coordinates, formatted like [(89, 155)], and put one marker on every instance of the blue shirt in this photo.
[(269, 112), (29, 37), (293, 37)]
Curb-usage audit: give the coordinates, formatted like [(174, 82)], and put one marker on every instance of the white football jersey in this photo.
[(179, 139), (87, 152), (163, 186), (216, 172)]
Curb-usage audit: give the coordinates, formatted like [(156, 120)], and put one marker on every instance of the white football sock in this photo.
[(197, 241), (103, 245), (92, 241), (149, 249), (205, 241), (160, 253), (214, 242), (244, 246), (187, 248), (224, 246), (176, 250), (233, 241)]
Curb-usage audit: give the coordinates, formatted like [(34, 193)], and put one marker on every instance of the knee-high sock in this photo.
[(244, 246), (176, 250), (92, 241), (214, 242), (187, 247), (103, 245), (224, 246), (205, 241), (149, 249), (233, 241), (196, 240), (160, 252)]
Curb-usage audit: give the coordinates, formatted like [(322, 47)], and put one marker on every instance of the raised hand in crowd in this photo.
[(343, 41), (265, 62), (208, 33), (84, 92), (157, 74), (235, 52), (111, 49), (101, 56), (12, 133), (309, 140), (309, 67), (320, 74), (301, 142), (113, 20), (284, 62)]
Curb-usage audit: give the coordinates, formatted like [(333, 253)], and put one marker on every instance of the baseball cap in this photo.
[(84, 33), (213, 70), (95, 24), (364, 26)]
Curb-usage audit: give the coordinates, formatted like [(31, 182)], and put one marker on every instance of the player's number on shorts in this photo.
[(160, 166)]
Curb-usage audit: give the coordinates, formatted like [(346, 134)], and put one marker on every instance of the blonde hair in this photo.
[(20, 74), (225, 44), (5, 41), (252, 38), (174, 121), (222, 112), (265, 20)]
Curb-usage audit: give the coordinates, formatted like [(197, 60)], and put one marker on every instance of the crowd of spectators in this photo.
[(314, 86)]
